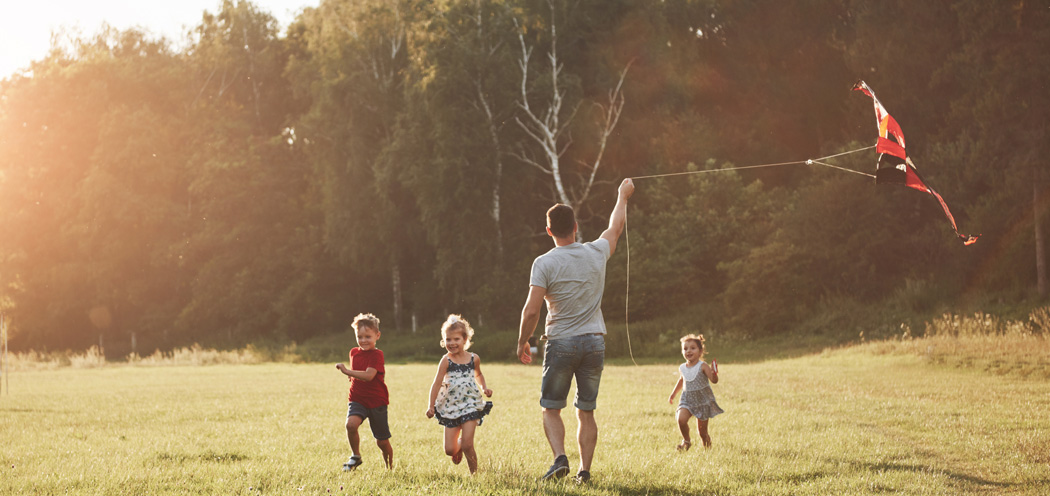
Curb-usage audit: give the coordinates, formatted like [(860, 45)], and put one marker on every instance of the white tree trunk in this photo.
[(396, 284), (493, 129), (547, 128), (497, 179)]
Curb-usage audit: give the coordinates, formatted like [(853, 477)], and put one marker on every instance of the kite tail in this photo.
[(967, 239)]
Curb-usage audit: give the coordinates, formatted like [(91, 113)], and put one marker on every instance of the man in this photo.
[(571, 279)]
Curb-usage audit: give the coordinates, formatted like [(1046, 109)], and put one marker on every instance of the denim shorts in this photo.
[(563, 358), (377, 419)]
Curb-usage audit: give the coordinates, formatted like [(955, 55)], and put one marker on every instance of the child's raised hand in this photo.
[(341, 367), (488, 392), (713, 376), (430, 412)]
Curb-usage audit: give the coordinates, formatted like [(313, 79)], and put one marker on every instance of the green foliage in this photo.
[(89, 191), (255, 186), (446, 159)]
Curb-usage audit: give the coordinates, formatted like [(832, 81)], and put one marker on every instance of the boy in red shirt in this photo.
[(368, 394)]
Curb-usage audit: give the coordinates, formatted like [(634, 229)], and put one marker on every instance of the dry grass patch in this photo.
[(983, 342)]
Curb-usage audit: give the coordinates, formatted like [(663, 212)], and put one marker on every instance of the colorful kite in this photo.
[(894, 166)]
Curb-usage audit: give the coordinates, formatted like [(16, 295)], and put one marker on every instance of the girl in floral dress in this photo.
[(455, 398), (697, 400)]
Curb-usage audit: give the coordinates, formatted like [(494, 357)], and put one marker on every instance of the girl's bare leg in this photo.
[(701, 427), (452, 446), (683, 425), (466, 445)]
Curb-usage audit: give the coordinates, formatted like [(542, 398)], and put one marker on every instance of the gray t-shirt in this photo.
[(574, 277)]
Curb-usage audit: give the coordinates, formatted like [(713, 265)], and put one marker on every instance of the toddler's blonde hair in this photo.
[(698, 339), (455, 323)]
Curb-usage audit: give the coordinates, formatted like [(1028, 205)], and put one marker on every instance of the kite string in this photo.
[(719, 170), (627, 235), (796, 162), (627, 296), (840, 168)]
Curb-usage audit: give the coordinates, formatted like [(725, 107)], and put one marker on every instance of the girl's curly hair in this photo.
[(457, 323), (698, 339)]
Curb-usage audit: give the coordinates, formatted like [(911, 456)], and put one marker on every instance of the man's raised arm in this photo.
[(618, 219)]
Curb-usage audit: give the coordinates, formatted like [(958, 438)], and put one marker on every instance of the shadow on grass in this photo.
[(31, 410), (954, 476), (516, 482), (206, 456)]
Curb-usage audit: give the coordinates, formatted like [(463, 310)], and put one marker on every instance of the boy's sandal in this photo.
[(684, 445), (352, 463), (458, 457)]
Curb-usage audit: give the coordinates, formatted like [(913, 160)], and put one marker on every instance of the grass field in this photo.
[(843, 422)]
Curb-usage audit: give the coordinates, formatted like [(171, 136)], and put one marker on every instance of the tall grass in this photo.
[(50, 360), (195, 355), (191, 356), (983, 342)]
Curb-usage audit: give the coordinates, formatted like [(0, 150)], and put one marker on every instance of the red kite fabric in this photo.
[(894, 166)]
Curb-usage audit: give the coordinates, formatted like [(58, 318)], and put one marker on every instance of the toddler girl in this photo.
[(697, 400), (455, 398)]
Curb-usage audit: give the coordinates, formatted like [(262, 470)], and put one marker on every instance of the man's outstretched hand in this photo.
[(626, 188)]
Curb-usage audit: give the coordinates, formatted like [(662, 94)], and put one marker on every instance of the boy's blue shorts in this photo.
[(376, 419)]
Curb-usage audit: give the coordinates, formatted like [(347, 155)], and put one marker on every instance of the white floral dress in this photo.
[(697, 397), (460, 399)]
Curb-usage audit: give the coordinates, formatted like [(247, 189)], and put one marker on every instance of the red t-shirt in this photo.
[(373, 393)]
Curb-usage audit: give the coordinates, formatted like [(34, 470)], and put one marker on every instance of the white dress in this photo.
[(697, 397), (459, 399)]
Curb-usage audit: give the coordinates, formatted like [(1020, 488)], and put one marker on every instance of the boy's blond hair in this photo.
[(457, 323), (366, 320)]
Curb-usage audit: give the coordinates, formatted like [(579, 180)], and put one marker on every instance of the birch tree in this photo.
[(488, 48), (548, 124)]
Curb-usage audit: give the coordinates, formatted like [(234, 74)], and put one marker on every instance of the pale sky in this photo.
[(26, 25)]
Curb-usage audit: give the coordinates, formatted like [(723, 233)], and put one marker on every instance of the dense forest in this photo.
[(397, 156)]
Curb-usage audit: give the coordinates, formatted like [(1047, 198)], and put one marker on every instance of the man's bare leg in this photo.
[(554, 428), (586, 437)]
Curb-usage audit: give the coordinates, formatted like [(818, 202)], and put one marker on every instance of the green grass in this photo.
[(854, 421)]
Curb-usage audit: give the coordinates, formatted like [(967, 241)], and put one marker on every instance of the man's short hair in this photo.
[(561, 220)]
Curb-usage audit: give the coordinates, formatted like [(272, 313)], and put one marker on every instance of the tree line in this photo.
[(397, 156)]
